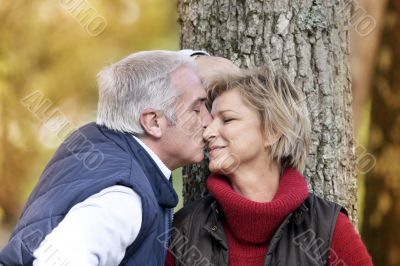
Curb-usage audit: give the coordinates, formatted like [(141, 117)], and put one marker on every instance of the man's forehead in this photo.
[(184, 73), (188, 83)]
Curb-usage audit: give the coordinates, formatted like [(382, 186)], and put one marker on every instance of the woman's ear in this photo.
[(150, 121), (271, 139)]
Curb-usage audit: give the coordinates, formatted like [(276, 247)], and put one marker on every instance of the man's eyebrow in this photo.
[(198, 100)]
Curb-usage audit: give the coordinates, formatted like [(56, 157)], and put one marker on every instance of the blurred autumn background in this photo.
[(45, 48)]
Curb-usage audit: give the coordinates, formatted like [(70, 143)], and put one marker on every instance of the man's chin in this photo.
[(199, 158)]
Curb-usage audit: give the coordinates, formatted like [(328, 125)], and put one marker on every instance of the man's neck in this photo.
[(153, 154)]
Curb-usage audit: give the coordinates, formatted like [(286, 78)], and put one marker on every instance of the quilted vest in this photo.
[(91, 159)]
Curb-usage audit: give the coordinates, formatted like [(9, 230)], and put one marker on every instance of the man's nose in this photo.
[(206, 119)]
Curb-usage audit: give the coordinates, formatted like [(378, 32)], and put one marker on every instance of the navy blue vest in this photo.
[(91, 159)]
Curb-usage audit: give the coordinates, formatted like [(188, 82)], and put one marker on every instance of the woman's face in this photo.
[(234, 137)]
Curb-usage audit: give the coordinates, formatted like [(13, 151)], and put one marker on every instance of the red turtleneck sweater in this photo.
[(249, 225)]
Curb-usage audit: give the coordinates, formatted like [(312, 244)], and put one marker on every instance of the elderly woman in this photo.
[(260, 211)]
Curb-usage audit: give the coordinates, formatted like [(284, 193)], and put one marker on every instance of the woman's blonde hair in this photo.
[(281, 107)]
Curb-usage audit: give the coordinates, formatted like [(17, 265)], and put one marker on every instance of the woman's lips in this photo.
[(214, 149)]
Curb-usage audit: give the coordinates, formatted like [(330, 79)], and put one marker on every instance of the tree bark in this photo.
[(380, 228), (309, 38)]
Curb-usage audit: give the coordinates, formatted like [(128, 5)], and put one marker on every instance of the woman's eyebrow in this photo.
[(225, 111), (228, 110)]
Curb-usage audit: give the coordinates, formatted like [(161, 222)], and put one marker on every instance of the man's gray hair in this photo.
[(139, 81)]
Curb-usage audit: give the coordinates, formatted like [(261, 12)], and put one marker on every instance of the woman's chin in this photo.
[(224, 168), (213, 167)]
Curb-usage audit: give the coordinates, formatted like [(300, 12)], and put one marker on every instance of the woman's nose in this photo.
[(206, 118)]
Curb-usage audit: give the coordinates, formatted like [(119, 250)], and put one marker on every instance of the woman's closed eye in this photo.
[(228, 120)]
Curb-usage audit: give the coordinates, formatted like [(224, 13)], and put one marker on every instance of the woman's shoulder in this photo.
[(199, 209), (315, 201)]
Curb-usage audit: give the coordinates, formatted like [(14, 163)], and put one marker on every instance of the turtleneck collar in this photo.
[(254, 222)]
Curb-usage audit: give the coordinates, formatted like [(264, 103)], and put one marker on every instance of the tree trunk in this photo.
[(380, 228), (309, 38)]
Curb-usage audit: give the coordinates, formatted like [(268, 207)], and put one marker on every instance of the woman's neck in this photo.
[(255, 222), (256, 182)]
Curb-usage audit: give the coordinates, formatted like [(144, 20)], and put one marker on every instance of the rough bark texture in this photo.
[(309, 38), (380, 228)]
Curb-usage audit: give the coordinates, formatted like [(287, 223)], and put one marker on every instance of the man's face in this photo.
[(184, 142)]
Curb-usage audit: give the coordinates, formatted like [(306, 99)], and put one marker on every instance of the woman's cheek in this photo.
[(225, 163)]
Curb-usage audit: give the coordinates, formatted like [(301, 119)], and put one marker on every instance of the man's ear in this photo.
[(150, 121)]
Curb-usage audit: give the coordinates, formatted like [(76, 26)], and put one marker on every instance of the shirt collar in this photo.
[(164, 169)]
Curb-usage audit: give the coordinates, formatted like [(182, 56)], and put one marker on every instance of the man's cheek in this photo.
[(187, 124)]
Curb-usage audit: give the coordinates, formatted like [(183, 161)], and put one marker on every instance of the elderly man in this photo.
[(105, 197)]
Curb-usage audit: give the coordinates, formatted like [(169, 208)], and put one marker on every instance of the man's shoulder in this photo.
[(97, 140)]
